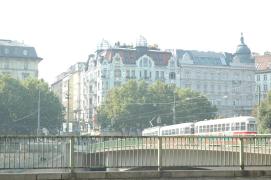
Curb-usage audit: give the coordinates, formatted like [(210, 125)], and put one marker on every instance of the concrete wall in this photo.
[(143, 175)]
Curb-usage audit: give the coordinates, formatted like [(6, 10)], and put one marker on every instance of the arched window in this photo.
[(172, 75)]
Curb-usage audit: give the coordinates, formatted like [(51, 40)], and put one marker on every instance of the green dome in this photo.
[(242, 48)]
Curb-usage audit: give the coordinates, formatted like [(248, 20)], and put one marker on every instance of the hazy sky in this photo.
[(67, 31)]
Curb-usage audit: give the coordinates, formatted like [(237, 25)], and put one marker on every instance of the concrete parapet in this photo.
[(144, 175)]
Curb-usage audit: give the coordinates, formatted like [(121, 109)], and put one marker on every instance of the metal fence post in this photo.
[(159, 152), (71, 154), (241, 154)]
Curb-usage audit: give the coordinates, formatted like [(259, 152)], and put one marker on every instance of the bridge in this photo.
[(160, 153)]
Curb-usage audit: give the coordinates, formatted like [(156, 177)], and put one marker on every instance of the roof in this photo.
[(226, 120), (208, 58), (263, 62), (14, 49), (131, 55)]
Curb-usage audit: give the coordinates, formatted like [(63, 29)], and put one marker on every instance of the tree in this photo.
[(139, 105), (263, 113), (19, 106), (12, 104)]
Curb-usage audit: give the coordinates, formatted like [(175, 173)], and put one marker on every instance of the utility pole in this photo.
[(38, 128), (68, 108), (259, 100), (174, 110)]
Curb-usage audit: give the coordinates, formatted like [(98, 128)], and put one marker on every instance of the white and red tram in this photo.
[(241, 125), (227, 126)]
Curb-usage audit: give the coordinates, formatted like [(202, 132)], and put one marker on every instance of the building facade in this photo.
[(18, 60), (227, 79), (263, 76), (69, 90)]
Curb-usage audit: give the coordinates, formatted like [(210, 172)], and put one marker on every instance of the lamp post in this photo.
[(38, 128)]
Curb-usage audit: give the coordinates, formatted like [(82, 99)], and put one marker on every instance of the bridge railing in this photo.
[(31, 152)]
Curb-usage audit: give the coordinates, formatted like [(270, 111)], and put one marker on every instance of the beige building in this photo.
[(18, 60), (68, 88)]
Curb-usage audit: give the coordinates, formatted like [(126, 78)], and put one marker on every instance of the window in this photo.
[(243, 126), (211, 128), (215, 128), (145, 62), (264, 77), (6, 65), (157, 75), (25, 66), (25, 52), (117, 83), (145, 74), (6, 50), (187, 74), (117, 73), (227, 127), (127, 73), (265, 87), (258, 77), (198, 75), (219, 127), (223, 127), (162, 75), (172, 75), (25, 75), (237, 126), (133, 73)]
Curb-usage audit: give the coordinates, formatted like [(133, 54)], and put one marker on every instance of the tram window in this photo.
[(163, 132), (177, 131), (233, 127), (212, 128), (208, 128), (215, 128), (166, 132), (227, 127), (187, 130), (251, 127), (173, 131), (200, 129), (243, 126), (219, 127), (204, 128), (181, 130), (223, 127), (196, 129), (237, 126)]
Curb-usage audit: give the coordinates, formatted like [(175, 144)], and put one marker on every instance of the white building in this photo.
[(18, 60), (263, 76), (227, 79)]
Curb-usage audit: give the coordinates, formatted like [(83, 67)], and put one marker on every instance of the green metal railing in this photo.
[(28, 152)]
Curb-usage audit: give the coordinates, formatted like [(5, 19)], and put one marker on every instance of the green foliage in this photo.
[(134, 104), (19, 106), (263, 112)]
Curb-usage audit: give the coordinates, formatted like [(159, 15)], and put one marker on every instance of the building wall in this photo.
[(18, 60)]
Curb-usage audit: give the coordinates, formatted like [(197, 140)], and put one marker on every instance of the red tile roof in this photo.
[(130, 56), (263, 62)]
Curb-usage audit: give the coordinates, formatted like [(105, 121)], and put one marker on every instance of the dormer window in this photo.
[(145, 62), (6, 51), (25, 52)]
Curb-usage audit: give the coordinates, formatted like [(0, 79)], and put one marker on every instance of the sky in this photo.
[(65, 32)]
